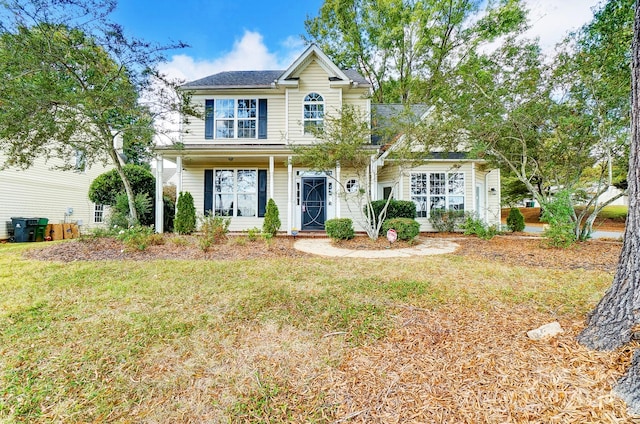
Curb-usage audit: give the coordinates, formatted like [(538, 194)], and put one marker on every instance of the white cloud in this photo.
[(552, 20), (248, 53)]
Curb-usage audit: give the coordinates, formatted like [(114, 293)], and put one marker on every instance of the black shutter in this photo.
[(208, 119), (262, 192), (262, 118), (208, 192)]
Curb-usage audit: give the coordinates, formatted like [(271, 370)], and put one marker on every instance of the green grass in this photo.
[(618, 213), (217, 341)]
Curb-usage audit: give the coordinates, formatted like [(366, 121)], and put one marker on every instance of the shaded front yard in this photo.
[(287, 338)]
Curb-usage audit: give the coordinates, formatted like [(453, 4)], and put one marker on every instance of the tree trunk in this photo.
[(133, 214), (628, 388), (612, 322)]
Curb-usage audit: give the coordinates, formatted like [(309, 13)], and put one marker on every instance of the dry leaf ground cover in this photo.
[(267, 334)]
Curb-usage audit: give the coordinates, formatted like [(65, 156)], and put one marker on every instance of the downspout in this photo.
[(374, 178)]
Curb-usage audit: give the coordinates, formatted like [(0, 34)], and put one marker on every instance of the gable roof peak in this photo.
[(335, 74)]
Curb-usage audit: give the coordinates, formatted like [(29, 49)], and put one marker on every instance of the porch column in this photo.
[(271, 166), (179, 175), (474, 202), (290, 212), (400, 194), (159, 223), (337, 190)]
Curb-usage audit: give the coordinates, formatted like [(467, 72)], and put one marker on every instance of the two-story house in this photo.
[(240, 154)]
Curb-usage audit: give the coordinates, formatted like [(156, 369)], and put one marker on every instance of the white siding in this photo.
[(314, 79), (44, 193)]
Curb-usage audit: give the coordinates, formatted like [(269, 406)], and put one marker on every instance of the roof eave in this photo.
[(226, 87)]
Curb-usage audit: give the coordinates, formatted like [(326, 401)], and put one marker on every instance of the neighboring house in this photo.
[(239, 155), (59, 196)]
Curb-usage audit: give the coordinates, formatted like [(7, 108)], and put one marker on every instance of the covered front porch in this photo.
[(237, 184)]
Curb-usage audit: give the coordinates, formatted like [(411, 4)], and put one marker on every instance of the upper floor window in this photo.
[(313, 112), (235, 118)]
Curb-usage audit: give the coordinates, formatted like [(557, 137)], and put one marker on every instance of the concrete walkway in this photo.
[(324, 247)]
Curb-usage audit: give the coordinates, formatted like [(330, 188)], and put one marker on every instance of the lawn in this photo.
[(290, 339)]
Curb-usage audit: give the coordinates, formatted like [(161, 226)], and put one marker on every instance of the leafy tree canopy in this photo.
[(408, 49), (73, 82), (106, 187)]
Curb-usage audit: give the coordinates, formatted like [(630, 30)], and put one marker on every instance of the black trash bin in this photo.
[(24, 229)]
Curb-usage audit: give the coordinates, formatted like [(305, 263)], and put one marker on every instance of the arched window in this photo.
[(313, 112)]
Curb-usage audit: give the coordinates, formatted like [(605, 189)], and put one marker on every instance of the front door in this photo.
[(314, 195)]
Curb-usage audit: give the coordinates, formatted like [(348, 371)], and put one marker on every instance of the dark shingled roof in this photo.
[(253, 79), (385, 114), (237, 79), (355, 76)]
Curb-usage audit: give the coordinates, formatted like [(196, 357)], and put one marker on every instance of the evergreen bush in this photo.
[(339, 228), (396, 208), (515, 220), (271, 223), (185, 220)]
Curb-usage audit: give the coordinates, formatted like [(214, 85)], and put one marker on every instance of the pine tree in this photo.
[(271, 223), (185, 221), (515, 220)]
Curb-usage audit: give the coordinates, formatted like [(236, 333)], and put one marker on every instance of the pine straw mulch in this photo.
[(455, 365), (514, 249)]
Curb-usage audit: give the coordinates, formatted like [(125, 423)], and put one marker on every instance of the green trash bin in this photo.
[(41, 229)]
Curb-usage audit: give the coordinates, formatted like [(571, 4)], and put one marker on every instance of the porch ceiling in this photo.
[(206, 155)]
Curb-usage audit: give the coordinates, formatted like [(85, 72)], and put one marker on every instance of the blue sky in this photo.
[(258, 35)]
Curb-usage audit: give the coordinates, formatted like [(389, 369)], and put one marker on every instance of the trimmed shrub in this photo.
[(339, 228), (407, 228), (396, 208), (515, 220), (185, 221), (445, 221), (106, 187), (271, 223)]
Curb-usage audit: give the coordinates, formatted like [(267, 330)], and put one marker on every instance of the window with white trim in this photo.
[(352, 186), (313, 113), (98, 213), (235, 118), (437, 191), (236, 192)]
